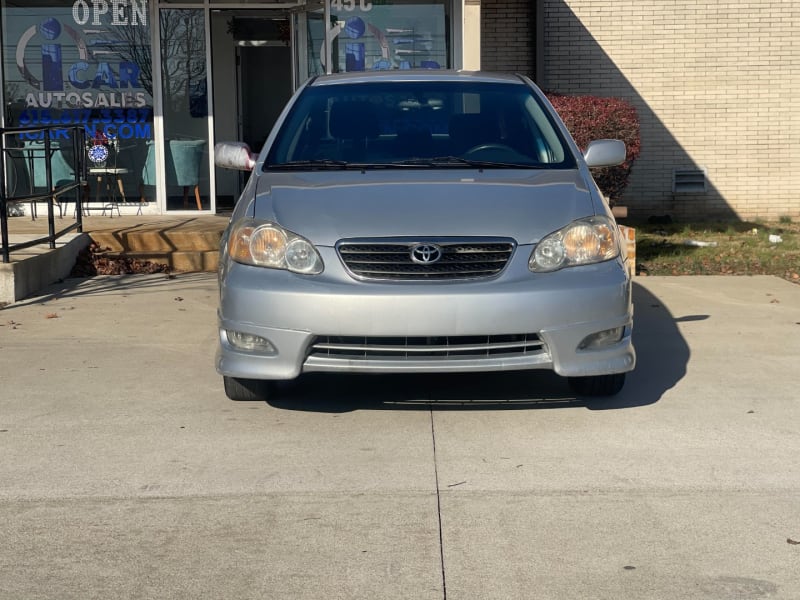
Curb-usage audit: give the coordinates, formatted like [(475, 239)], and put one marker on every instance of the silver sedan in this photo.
[(432, 221)]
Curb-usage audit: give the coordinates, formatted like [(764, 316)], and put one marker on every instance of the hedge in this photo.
[(592, 118)]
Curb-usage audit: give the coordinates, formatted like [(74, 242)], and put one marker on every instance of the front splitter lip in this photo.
[(560, 355)]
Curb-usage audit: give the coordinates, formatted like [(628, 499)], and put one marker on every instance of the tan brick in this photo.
[(715, 83)]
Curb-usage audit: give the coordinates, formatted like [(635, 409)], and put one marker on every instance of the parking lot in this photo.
[(125, 472)]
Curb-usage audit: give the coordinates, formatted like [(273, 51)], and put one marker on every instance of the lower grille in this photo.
[(458, 259), (421, 348)]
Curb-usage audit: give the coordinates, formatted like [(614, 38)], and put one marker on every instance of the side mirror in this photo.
[(234, 155), (604, 153)]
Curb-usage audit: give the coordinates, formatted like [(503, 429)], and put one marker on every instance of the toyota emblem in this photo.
[(426, 254)]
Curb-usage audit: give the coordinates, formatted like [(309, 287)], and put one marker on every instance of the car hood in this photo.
[(326, 206)]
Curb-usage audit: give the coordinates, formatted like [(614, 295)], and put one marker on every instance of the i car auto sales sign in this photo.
[(84, 65)]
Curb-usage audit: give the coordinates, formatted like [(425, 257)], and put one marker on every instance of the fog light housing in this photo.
[(250, 342), (607, 337)]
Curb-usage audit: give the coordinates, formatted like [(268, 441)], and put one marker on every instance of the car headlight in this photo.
[(582, 242), (264, 244)]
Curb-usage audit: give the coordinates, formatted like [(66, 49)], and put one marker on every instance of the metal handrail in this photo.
[(52, 192)]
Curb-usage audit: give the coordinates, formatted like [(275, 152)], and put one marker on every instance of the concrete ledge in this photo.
[(32, 269)]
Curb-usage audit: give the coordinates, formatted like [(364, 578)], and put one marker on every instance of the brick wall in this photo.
[(507, 36), (716, 84)]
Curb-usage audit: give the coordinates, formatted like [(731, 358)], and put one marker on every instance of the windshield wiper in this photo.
[(458, 161), (435, 162), (329, 163), (310, 165)]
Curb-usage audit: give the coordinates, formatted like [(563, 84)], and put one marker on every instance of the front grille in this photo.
[(421, 348), (462, 259)]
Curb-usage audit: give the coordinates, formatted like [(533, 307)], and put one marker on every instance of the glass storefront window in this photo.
[(90, 63), (72, 63), (403, 34), (185, 94)]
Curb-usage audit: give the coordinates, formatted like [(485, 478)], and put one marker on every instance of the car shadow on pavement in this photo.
[(662, 356), (116, 285), (662, 353)]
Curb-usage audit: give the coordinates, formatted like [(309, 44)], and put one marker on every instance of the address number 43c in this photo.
[(350, 5)]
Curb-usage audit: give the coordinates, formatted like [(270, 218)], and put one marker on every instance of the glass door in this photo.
[(184, 85), (252, 64)]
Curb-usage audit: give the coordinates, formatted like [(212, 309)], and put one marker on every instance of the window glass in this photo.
[(183, 77), (372, 35), (394, 122), (315, 40), (86, 64)]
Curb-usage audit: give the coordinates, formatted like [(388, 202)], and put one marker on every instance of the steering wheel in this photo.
[(491, 146), (496, 153)]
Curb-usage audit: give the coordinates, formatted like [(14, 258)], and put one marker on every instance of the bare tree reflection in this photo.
[(135, 48), (183, 57)]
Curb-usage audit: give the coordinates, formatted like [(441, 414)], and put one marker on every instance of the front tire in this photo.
[(597, 385), (247, 390)]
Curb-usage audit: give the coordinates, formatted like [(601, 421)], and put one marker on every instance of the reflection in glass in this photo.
[(68, 66), (183, 64), (381, 36)]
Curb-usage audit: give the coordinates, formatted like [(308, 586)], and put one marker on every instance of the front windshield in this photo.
[(409, 124)]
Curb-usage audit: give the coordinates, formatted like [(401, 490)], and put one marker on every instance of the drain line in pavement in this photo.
[(438, 506)]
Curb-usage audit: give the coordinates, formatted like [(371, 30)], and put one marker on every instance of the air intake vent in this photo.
[(426, 348), (688, 181)]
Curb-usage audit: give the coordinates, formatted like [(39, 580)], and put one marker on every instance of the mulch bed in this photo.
[(94, 260)]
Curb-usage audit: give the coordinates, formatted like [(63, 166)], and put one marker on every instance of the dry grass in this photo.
[(742, 248)]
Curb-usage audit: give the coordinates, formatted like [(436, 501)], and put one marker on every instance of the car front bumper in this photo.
[(293, 311)]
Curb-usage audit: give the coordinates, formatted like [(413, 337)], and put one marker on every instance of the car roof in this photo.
[(413, 75)]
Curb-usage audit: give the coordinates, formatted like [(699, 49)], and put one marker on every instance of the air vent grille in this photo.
[(689, 181)]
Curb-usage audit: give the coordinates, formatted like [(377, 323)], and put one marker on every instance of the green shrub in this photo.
[(592, 118)]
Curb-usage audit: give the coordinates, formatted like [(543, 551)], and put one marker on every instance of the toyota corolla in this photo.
[(418, 222)]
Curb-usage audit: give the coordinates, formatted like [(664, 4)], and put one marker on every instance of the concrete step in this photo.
[(184, 244), (157, 241), (160, 239)]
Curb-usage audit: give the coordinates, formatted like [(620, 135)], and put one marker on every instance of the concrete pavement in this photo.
[(126, 473)]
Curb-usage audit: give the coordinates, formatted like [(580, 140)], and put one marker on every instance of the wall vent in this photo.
[(689, 181)]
